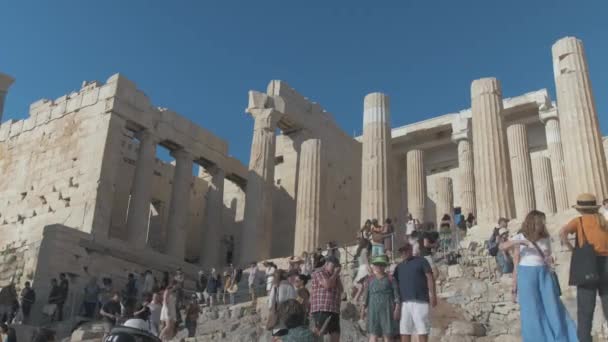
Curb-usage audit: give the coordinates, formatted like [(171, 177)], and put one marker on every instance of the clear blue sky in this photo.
[(200, 58)]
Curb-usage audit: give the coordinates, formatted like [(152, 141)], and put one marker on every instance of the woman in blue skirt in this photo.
[(543, 315)]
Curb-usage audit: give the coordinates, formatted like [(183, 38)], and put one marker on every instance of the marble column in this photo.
[(141, 190), (214, 209), (466, 175), (444, 198), (310, 198), (257, 229), (605, 142), (416, 184), (493, 191), (521, 170), (584, 158), (556, 155), (543, 184), (5, 82), (179, 206), (376, 158)]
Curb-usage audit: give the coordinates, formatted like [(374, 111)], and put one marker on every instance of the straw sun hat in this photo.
[(586, 201)]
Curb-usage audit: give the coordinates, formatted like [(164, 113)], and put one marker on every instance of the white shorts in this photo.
[(415, 319)]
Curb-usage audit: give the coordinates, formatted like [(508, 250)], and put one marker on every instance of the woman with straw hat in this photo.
[(591, 227), (382, 304)]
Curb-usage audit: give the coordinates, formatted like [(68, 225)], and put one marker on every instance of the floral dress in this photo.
[(382, 295)]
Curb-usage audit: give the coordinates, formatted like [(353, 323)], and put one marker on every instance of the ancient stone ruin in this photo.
[(83, 189)]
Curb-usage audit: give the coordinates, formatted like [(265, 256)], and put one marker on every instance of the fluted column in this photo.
[(180, 204), (257, 229), (521, 170), (492, 170), (466, 174), (444, 198), (605, 142), (214, 207), (310, 198), (416, 184), (556, 155), (5, 82), (543, 185), (141, 190), (584, 158), (376, 158)]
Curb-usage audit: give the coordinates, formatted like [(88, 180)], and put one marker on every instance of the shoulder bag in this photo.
[(553, 274), (583, 262)]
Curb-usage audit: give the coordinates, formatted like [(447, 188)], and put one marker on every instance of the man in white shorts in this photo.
[(417, 292)]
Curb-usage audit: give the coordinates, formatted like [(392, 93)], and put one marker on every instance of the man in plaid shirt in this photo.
[(325, 298)]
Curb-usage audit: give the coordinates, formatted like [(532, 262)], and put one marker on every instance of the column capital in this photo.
[(181, 155), (146, 135), (5, 82), (266, 118), (548, 114), (461, 129)]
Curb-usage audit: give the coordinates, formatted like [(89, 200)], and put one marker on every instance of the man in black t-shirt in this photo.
[(111, 312), (417, 292)]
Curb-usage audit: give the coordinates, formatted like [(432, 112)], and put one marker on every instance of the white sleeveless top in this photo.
[(529, 256)]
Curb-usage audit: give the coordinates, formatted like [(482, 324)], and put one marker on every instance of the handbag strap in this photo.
[(540, 251), (580, 220)]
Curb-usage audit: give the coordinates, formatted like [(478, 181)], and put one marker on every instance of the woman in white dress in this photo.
[(168, 314), (363, 271)]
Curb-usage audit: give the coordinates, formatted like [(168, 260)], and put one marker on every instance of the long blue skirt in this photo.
[(543, 315)]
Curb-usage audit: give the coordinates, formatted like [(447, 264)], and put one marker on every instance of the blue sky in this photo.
[(200, 58)]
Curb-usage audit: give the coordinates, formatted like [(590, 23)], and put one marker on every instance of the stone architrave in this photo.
[(493, 190), (310, 202), (444, 198), (521, 170), (416, 184), (543, 184), (138, 216), (556, 155), (5, 82), (376, 158), (214, 208), (179, 206), (584, 158), (257, 237)]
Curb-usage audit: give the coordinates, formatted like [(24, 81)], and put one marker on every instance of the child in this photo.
[(382, 304)]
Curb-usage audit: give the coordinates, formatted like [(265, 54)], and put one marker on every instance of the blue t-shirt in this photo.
[(411, 277)]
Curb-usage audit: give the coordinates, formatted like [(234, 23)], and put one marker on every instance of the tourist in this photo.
[(411, 225), (8, 297), (332, 249), (471, 221), (8, 333), (252, 279), (325, 299), (110, 312), (91, 297), (201, 286), (591, 227), (149, 283), (417, 293), (179, 279), (140, 319), (227, 282), (281, 290), (604, 208), (292, 317), (155, 305), (377, 239), (388, 231), (271, 268), (129, 296), (503, 257), (28, 298), (192, 313), (542, 314), (165, 280), (105, 292), (213, 285), (382, 304), (366, 231), (302, 293), (236, 276), (307, 265), (168, 314), (294, 263), (363, 270), (318, 259), (64, 289), (428, 242), (54, 298)]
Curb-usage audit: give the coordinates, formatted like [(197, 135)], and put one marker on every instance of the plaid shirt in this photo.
[(322, 299)]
